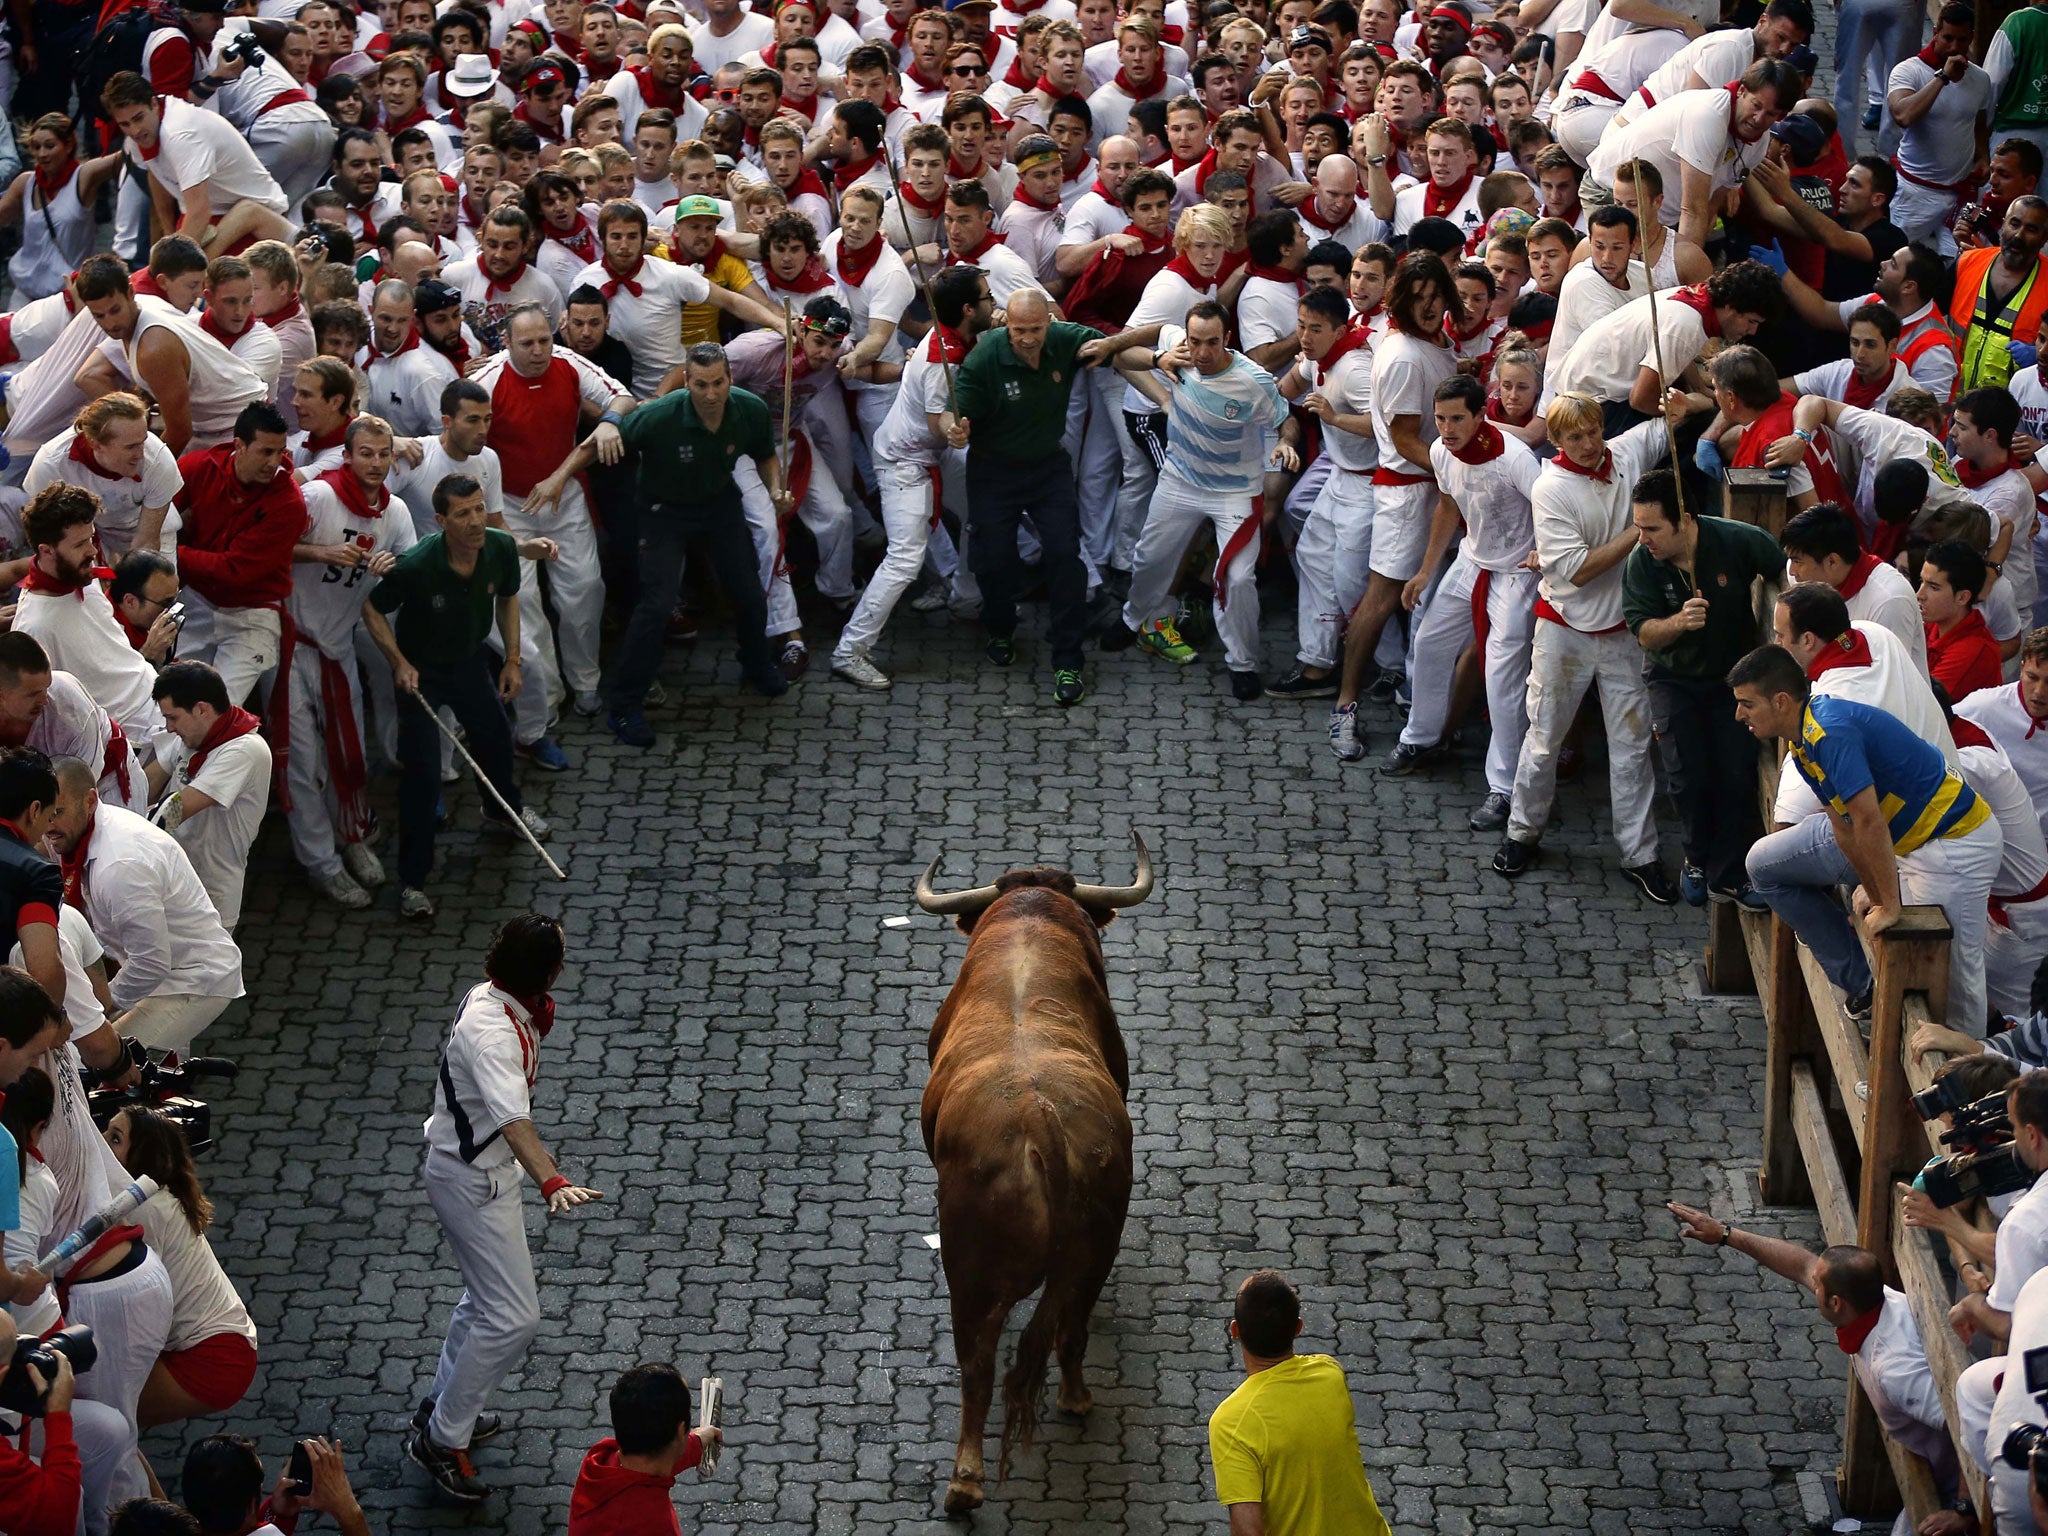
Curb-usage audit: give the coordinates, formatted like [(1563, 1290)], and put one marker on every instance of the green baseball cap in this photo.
[(698, 206)]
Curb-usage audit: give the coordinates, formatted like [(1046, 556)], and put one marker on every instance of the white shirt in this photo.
[(1892, 1365), (1623, 63), (1940, 147), (1690, 129), (1405, 374), (2016, 1406), (1877, 440), (1093, 217), (1887, 600), (650, 325), (1585, 299), (905, 437), (405, 387), (243, 99), (2022, 1247), (1892, 683), (1493, 499), (1610, 352), (88, 1176), (1267, 311), (2024, 863), (236, 777), (1032, 235), (485, 304), (40, 1197), (204, 1302), (414, 484), (1409, 210), (1831, 380), (1347, 386), (221, 383), (712, 52), (153, 915), (261, 348), (2002, 715), (1009, 274), (1717, 57), (624, 88), (1361, 227), (194, 145), (83, 636), (1166, 301), (326, 602), (1576, 514), (491, 1058), (884, 294)]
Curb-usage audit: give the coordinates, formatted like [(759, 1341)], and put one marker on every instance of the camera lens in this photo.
[(2020, 1440)]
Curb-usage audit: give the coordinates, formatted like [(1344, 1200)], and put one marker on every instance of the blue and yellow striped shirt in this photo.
[(1845, 748)]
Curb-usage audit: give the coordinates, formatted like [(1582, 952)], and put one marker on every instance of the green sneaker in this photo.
[(1067, 688), (1163, 640)]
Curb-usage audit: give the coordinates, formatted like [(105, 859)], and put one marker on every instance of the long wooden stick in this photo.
[(788, 385), (916, 261), (518, 822), (1657, 350)]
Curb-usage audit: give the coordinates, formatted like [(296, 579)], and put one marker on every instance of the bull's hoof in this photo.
[(1078, 1403), (962, 1497)]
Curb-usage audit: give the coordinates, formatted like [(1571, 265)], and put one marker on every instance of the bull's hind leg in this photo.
[(978, 1316), (1071, 1342)]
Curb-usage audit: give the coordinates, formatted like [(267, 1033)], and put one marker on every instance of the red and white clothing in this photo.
[(195, 146), (1092, 217), (204, 1301), (146, 904), (647, 313), (1405, 373), (1268, 307), (2016, 939), (405, 385), (1890, 1360), (1008, 273), (1111, 104), (1359, 227), (635, 91), (1716, 57), (1266, 174), (1585, 299), (1935, 155), (57, 233), (1331, 557), (35, 327), (876, 287), (233, 769), (1426, 200), (486, 300), (83, 635), (1601, 80), (711, 52), (296, 343), (1032, 234), (2009, 498), (1875, 440), (234, 556), (564, 253), (72, 724), (1695, 129), (2001, 713), (1485, 596), (362, 220), (64, 460), (1877, 592), (221, 384), (1609, 353), (1838, 381), (1869, 666)]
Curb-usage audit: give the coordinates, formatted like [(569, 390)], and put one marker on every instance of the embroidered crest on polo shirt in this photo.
[(1012, 390)]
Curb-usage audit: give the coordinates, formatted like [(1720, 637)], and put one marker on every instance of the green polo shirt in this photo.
[(1017, 412), (681, 461), (442, 617), (1729, 555)]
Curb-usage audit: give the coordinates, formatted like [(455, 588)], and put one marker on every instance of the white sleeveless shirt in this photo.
[(55, 237)]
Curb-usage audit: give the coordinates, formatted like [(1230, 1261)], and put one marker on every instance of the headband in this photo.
[(1457, 18)]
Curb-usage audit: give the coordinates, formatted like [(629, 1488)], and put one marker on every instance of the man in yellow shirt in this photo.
[(695, 242), (1285, 1443)]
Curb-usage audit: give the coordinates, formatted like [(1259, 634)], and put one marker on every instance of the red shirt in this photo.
[(41, 1501), (533, 423), (1966, 658), (235, 549), (611, 1500)]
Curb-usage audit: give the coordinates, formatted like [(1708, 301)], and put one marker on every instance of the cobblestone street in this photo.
[(1449, 1110)]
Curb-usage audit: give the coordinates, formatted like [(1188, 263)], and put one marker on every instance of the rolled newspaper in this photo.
[(714, 1414), (97, 1225)]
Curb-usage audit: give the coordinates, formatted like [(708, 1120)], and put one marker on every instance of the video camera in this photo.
[(1984, 1162), (19, 1394), (161, 1086), (2023, 1440), (243, 50)]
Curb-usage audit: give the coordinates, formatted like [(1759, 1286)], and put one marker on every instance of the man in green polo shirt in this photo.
[(2017, 62), (1685, 596), (1012, 393), (447, 591)]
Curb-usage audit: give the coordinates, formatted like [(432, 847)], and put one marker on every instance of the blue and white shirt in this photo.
[(1221, 428)]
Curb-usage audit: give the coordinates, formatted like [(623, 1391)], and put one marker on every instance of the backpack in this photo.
[(117, 46)]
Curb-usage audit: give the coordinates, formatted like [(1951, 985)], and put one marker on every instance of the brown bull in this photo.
[(1025, 1122)]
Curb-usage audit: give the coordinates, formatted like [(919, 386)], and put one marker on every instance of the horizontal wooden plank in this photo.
[(1831, 1193), (1847, 1053)]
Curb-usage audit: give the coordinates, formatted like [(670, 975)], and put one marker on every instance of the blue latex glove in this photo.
[(1708, 457), (2021, 354), (1770, 256)]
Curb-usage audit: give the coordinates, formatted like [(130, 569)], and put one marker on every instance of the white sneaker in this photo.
[(362, 862), (589, 704), (535, 823), (341, 890), (414, 902), (1345, 739), (931, 599), (656, 694), (860, 672)]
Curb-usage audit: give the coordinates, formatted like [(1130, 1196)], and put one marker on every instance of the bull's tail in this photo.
[(1024, 1386)]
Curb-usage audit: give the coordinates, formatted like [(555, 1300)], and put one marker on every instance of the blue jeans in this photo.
[(1862, 26), (1796, 871)]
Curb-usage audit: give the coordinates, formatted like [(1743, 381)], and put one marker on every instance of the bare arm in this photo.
[(1696, 204), (1908, 107), (195, 213), (1247, 1520), (403, 673), (45, 962), (164, 369), (1866, 841), (748, 305), (16, 198), (1643, 13)]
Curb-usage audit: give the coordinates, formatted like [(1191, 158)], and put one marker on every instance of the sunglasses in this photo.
[(967, 69)]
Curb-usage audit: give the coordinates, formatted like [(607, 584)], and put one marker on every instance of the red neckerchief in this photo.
[(1149, 246), (947, 346), (581, 240), (617, 280), (458, 354), (81, 453), (39, 580), (412, 339), (1851, 1336), (73, 864), (144, 285), (1123, 83), (541, 1010), (1487, 445), (1014, 75), (955, 171), (1972, 477), (158, 147), (419, 114), (812, 279), (807, 181), (57, 180), (1205, 286), (1442, 202), (278, 317), (1495, 411), (930, 210), (1351, 339), (1312, 213), (1024, 197), (356, 501), (1859, 573), (507, 285), (1276, 275), (1926, 56), (365, 213), (1604, 474), (1864, 396), (1695, 298), (211, 326), (1569, 218), (549, 134), (923, 82), (979, 249), (1452, 331), (1042, 86), (237, 722), (654, 94), (1735, 91), (854, 266), (1848, 649), (846, 175), (597, 71), (1173, 37), (320, 442), (1104, 193), (2034, 722), (807, 110)]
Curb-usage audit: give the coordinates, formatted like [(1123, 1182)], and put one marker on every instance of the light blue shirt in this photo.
[(1221, 428)]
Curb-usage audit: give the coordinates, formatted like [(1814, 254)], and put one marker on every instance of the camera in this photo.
[(161, 1086), (18, 1393), (1984, 1160), (2022, 1440), (176, 614), (1943, 1097), (243, 50), (301, 1470)]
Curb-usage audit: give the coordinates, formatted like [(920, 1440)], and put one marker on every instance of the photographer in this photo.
[(222, 1487), (76, 1447), (2016, 1496), (2023, 1233), (623, 1487), (1970, 1078), (1873, 1326)]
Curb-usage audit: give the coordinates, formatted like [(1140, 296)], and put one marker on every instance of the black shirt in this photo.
[(31, 886), (1848, 278)]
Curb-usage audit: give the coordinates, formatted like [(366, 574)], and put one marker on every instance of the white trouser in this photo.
[(1332, 560), (1447, 627), (105, 1446), (1301, 496), (871, 406), (907, 519), (1925, 213), (241, 643), (573, 577), (1563, 664), (379, 695), (1141, 474), (1578, 123), (2013, 951), (297, 155), (307, 775), (541, 691), (1401, 516), (825, 512), (1955, 874), (131, 216), (130, 1318), (760, 511), (1096, 443), (171, 1021), (499, 1313), (1177, 513), (1976, 1399)]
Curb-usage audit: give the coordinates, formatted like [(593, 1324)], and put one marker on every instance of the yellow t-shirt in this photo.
[(1286, 1439), (700, 321)]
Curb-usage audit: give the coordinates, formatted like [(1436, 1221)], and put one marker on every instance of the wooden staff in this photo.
[(788, 385), (923, 282), (1657, 350)]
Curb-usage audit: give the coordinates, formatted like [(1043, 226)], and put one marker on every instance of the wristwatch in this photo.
[(1376, 160)]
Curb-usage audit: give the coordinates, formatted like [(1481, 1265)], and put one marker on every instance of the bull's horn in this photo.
[(950, 903), (1120, 895)]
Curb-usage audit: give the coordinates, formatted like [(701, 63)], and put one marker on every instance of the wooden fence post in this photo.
[(1910, 956), (1790, 1035), (1756, 496)]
